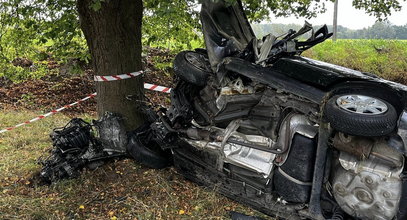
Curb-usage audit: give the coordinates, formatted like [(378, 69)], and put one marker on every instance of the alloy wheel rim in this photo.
[(361, 104)]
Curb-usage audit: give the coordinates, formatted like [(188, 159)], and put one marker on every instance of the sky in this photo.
[(347, 16)]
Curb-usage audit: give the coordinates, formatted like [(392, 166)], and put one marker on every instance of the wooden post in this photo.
[(335, 25)]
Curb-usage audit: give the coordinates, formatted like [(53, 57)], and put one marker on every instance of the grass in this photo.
[(118, 190), (385, 58)]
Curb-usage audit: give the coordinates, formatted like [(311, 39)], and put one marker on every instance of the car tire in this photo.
[(361, 115), (192, 67), (147, 152)]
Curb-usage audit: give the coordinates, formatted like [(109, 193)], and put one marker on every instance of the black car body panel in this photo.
[(326, 76), (273, 77)]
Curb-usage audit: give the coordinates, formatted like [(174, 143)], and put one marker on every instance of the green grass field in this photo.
[(385, 58)]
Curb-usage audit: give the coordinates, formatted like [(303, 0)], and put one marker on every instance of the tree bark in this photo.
[(113, 35)]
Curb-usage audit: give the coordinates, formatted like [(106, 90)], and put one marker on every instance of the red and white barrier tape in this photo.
[(48, 114), (157, 88), (117, 77), (146, 86), (132, 75)]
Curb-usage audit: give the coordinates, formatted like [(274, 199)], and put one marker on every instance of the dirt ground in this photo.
[(56, 91)]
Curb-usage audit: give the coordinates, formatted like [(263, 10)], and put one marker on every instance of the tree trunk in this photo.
[(113, 35)]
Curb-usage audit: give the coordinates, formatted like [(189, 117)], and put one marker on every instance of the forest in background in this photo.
[(45, 39), (380, 30)]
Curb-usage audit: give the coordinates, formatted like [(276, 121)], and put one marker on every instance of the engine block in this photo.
[(367, 189)]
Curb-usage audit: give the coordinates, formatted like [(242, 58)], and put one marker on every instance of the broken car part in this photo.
[(192, 67), (76, 146), (143, 148)]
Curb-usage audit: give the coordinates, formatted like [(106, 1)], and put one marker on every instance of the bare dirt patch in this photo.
[(56, 91)]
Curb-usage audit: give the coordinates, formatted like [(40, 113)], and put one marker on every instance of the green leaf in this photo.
[(96, 5)]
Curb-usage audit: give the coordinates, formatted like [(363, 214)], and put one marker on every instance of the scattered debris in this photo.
[(77, 146), (112, 134)]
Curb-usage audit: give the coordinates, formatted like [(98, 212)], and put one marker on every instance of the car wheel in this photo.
[(192, 67), (361, 115), (146, 151)]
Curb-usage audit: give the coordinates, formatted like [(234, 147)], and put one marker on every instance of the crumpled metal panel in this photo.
[(253, 159), (225, 28), (112, 133)]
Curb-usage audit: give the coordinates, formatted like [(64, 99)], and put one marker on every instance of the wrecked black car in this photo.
[(287, 135), (290, 136)]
